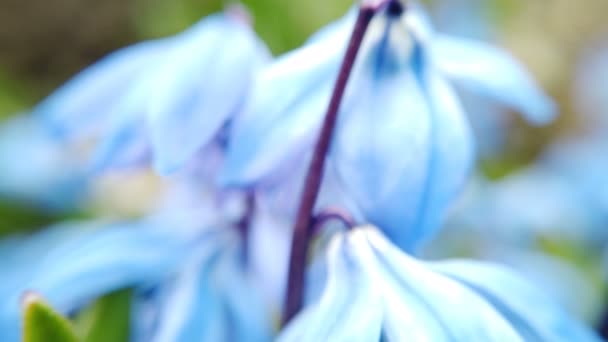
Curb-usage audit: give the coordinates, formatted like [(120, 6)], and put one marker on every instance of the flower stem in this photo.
[(244, 224), (303, 223), (602, 327)]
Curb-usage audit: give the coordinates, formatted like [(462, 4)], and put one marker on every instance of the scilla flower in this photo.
[(375, 292), (402, 146), (164, 99), (185, 266)]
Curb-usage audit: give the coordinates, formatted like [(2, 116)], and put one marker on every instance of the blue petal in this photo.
[(211, 300), (404, 164), (383, 158), (284, 111), (83, 103), (530, 311), (36, 168), (349, 308), (492, 72), (452, 155), (202, 83), (125, 142), (447, 310), (89, 264)]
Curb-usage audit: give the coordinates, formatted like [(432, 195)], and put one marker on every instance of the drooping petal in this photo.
[(403, 147), (450, 162), (212, 300), (201, 84), (382, 151), (492, 72), (425, 301), (349, 308), (126, 140), (453, 311), (36, 168), (529, 310), (84, 103), (284, 111), (91, 263)]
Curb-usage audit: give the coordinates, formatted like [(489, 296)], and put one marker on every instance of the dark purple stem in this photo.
[(244, 224), (602, 327), (303, 223)]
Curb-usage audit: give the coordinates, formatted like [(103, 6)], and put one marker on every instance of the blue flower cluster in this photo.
[(232, 131)]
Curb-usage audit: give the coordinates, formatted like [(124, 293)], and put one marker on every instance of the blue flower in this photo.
[(402, 147), (164, 99), (205, 293), (374, 291), (37, 169)]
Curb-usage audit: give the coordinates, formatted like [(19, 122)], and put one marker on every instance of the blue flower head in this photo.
[(164, 99), (199, 289), (402, 147), (376, 292)]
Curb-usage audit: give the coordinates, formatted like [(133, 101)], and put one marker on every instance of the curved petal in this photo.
[(284, 111), (383, 142), (125, 143), (383, 158), (348, 310), (82, 104), (36, 168), (492, 72), (190, 311), (455, 313), (211, 300), (201, 84), (94, 262), (451, 159), (529, 310)]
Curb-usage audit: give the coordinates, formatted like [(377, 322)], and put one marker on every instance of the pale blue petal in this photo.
[(204, 81), (452, 156), (404, 164), (86, 265), (212, 300), (448, 310), (284, 111), (383, 158), (126, 141), (529, 310), (83, 103), (348, 310), (36, 168), (249, 319), (492, 72), (19, 250), (192, 309)]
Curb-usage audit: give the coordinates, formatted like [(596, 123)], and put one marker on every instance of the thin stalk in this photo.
[(303, 223), (244, 224)]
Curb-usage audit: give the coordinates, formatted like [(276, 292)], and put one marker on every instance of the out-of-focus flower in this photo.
[(37, 169), (375, 291), (164, 99), (402, 147), (206, 294)]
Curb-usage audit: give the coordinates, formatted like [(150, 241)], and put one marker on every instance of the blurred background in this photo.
[(45, 42)]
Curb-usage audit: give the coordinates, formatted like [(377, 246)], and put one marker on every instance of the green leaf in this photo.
[(43, 324), (107, 319)]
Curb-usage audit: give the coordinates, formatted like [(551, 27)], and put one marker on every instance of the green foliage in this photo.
[(42, 324), (280, 23), (16, 217), (107, 319)]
